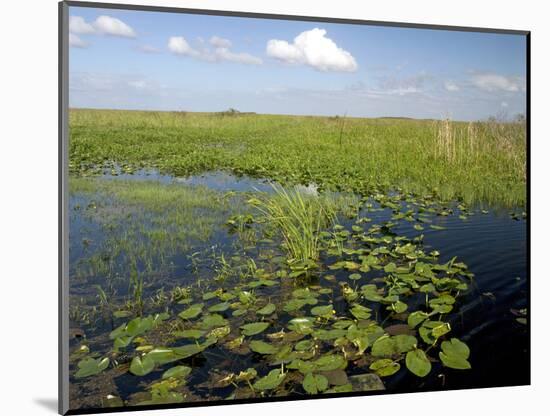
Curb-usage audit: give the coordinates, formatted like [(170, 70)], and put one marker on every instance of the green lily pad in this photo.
[(273, 379), (385, 367), (161, 355), (418, 363), (455, 354), (90, 367), (179, 371), (302, 326), (303, 367), (220, 307), (122, 342), (387, 346), (191, 312), (304, 345), (315, 383), (267, 309), (456, 362), (325, 335), (455, 347), (219, 332), (212, 321), (330, 362), (141, 366), (360, 311), (189, 333), (399, 307), (370, 292), (324, 311), (247, 375), (187, 350), (262, 347), (254, 328)]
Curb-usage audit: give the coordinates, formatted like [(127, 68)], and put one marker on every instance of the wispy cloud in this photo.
[(314, 49), (492, 82), (148, 49), (396, 85), (451, 86), (178, 45)]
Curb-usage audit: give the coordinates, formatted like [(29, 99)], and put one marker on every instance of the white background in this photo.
[(28, 204)]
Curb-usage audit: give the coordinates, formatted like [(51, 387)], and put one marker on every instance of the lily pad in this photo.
[(455, 354), (161, 355), (191, 312), (314, 383), (219, 307), (301, 325), (360, 311), (187, 350), (212, 321), (330, 362), (385, 367), (323, 311), (189, 333), (141, 366), (90, 367), (399, 307), (254, 328), (418, 363), (273, 379), (179, 371), (304, 345), (262, 347), (267, 309)]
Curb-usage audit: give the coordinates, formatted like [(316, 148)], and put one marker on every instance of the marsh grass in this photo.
[(474, 162), (299, 219), (141, 226)]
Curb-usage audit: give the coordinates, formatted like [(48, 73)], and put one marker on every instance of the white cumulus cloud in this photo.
[(78, 25), (220, 42), (312, 48), (179, 46), (103, 25), (112, 26), (495, 82), (76, 42)]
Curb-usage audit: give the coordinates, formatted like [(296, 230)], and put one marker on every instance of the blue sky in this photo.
[(163, 61)]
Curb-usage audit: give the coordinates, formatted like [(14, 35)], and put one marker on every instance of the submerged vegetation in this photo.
[(474, 162), (321, 282)]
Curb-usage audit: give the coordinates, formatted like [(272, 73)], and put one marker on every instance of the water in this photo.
[(493, 246)]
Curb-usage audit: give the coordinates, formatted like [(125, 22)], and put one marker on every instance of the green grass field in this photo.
[(474, 162)]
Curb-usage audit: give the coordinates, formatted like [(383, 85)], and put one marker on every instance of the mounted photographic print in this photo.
[(263, 207)]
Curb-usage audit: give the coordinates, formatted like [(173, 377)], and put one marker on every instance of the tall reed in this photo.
[(299, 219)]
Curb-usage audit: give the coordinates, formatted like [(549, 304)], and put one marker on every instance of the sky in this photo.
[(123, 59)]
